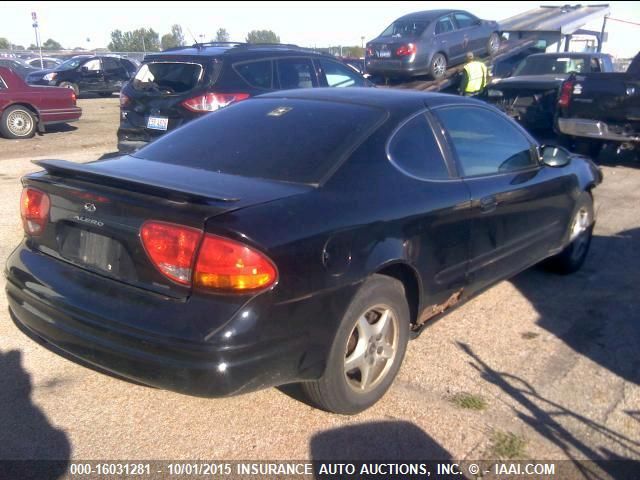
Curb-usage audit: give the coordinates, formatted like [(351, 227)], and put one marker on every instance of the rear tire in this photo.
[(572, 258), (493, 44), (438, 66), (18, 122), (71, 86), (367, 350)]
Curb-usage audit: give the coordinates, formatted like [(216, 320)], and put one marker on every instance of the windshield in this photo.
[(71, 64), (168, 77), (291, 140), (405, 28), (550, 65)]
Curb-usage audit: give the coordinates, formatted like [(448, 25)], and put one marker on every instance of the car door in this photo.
[(335, 74), (446, 39), (296, 72), (470, 33), (91, 78), (114, 74), (437, 232), (520, 208)]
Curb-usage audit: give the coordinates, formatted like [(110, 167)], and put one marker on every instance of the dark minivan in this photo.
[(430, 42), (103, 75), (177, 85)]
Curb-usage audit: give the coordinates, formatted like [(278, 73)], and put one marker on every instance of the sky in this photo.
[(309, 24)]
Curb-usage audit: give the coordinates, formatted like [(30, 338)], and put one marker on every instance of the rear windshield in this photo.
[(405, 28), (550, 65), (168, 77), (289, 140)]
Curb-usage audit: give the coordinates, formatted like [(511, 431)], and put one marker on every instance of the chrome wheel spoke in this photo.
[(365, 375), (381, 327), (356, 358)]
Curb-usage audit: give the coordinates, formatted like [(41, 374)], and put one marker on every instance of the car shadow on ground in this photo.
[(376, 441), (545, 416), (25, 431), (596, 310), (59, 128)]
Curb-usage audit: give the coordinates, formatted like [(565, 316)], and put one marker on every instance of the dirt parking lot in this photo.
[(540, 367)]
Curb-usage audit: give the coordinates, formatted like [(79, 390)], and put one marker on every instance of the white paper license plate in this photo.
[(384, 53), (158, 123)]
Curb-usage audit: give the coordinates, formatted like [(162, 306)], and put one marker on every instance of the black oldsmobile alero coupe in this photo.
[(301, 236)]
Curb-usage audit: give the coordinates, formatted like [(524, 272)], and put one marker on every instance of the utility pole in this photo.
[(34, 17), (362, 40), (144, 49)]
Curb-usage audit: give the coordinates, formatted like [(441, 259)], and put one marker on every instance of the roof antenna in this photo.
[(196, 44)]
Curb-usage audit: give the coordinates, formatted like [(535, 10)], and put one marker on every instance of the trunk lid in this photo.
[(97, 210), (384, 48)]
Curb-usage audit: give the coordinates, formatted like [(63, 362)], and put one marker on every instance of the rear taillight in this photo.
[(34, 210), (210, 102), (124, 100), (408, 49), (225, 264), (73, 97), (565, 93), (221, 264), (171, 248)]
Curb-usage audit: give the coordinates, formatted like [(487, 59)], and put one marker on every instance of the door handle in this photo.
[(488, 203)]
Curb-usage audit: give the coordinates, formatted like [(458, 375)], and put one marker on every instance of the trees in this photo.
[(4, 44), (262, 36), (138, 40), (51, 44), (222, 35), (173, 39)]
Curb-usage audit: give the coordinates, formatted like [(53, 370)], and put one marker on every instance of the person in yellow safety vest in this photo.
[(474, 77)]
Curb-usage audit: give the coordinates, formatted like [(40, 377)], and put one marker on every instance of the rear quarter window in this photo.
[(257, 74), (413, 150), (292, 140)]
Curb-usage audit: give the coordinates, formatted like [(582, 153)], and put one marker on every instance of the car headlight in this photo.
[(50, 76), (494, 93)]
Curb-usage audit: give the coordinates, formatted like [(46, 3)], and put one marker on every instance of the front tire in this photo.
[(18, 122), (572, 258), (438, 66), (493, 44), (367, 350)]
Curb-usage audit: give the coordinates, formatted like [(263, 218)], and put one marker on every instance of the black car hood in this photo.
[(531, 81)]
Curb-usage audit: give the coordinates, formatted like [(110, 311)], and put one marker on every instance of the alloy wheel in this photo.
[(371, 349), (20, 123)]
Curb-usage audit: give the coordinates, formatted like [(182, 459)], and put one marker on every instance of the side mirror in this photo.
[(554, 156)]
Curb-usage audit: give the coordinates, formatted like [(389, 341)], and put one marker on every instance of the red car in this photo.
[(25, 108)]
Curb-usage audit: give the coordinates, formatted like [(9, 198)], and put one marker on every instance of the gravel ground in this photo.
[(550, 362)]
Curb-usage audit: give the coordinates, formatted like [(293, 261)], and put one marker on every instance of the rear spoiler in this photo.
[(195, 192)]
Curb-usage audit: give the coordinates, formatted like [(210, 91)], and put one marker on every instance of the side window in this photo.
[(111, 65), (485, 142), (444, 25), (595, 65), (414, 150), (463, 20), (340, 75), (92, 65), (296, 73), (257, 74), (3, 85)]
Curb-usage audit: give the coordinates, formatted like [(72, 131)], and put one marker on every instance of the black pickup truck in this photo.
[(530, 94), (596, 108)]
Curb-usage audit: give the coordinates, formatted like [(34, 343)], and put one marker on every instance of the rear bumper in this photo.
[(206, 368), (391, 67), (579, 127)]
